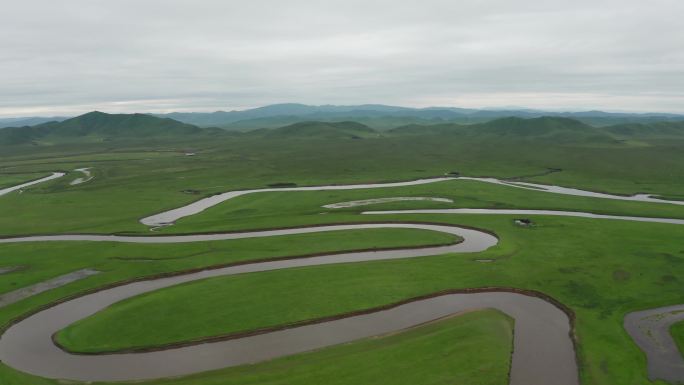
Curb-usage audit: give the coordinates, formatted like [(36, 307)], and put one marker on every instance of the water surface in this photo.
[(650, 329), (8, 190), (167, 218)]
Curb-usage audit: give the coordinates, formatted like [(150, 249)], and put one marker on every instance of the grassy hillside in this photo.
[(98, 126), (380, 123), (549, 128), (554, 129), (351, 130), (651, 130), (543, 130), (101, 127), (533, 127)]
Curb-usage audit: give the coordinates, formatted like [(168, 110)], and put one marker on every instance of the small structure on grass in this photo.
[(525, 222)]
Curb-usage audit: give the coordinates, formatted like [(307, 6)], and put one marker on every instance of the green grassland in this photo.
[(119, 261), (628, 266), (150, 179), (601, 269), (677, 331), (9, 180), (282, 209)]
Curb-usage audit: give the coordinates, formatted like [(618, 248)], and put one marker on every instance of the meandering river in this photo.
[(543, 347)]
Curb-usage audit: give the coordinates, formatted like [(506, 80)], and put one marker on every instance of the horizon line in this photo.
[(242, 109)]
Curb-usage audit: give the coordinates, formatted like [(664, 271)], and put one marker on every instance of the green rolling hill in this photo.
[(337, 130), (98, 126)]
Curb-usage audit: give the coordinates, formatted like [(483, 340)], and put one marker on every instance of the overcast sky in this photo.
[(72, 56)]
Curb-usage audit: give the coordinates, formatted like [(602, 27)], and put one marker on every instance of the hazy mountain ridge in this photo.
[(98, 126), (29, 121), (376, 115)]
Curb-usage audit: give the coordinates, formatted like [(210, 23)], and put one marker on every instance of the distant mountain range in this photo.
[(386, 117), (546, 129), (378, 116), (101, 127)]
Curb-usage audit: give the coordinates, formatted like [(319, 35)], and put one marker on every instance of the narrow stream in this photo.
[(8, 190)]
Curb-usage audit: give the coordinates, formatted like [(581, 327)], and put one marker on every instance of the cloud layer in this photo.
[(66, 57)]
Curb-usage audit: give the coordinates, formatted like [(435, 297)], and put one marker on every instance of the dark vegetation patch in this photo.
[(571, 269), (549, 170), (589, 297), (668, 278), (671, 258), (666, 257), (620, 275), (314, 129), (584, 294)]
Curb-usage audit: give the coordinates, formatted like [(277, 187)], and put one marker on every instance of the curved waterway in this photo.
[(87, 176), (573, 191), (367, 202), (473, 240), (8, 190), (543, 347), (167, 218), (543, 350), (577, 214), (650, 329)]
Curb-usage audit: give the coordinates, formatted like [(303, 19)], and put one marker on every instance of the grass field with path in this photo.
[(9, 180)]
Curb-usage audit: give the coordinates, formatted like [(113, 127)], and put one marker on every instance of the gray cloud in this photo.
[(73, 56)]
